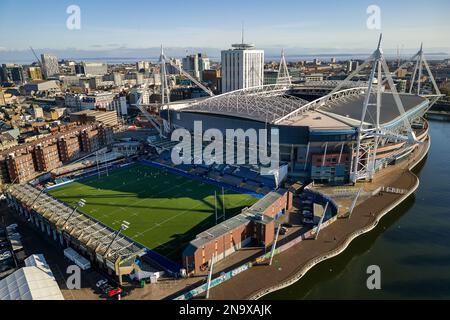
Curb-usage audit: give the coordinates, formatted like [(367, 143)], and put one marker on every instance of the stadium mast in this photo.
[(283, 77), (369, 137)]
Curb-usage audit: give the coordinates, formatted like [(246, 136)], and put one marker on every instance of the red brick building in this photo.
[(21, 167), (47, 157), (23, 162), (69, 148), (256, 223), (89, 140)]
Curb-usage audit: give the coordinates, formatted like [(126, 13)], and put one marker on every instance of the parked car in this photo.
[(308, 221), (5, 254), (105, 288), (307, 213), (101, 282), (114, 292), (283, 230)]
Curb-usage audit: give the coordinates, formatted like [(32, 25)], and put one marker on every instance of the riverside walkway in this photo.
[(292, 264)]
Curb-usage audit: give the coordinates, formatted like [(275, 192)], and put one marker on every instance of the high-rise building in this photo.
[(94, 68), (35, 73), (352, 65), (242, 67), (142, 66), (12, 73), (190, 65), (203, 62), (170, 69), (50, 65)]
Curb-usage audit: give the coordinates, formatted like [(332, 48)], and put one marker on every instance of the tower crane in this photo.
[(38, 60)]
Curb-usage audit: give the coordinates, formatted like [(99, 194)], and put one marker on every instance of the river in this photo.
[(411, 245)]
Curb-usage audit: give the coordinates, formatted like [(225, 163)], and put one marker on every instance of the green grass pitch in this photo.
[(165, 210)]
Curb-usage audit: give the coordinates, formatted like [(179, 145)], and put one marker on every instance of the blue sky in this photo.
[(320, 25)]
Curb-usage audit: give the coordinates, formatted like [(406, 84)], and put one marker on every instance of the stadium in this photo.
[(181, 218), (318, 139)]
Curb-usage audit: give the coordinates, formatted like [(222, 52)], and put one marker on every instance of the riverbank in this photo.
[(291, 265)]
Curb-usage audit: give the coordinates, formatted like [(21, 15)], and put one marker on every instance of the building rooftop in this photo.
[(88, 231), (315, 120), (254, 213), (351, 107), (30, 283)]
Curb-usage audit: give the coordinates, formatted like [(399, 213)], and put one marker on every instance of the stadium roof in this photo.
[(274, 104), (88, 231), (346, 107), (351, 107), (265, 104)]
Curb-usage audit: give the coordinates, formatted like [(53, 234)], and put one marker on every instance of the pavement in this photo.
[(289, 264)]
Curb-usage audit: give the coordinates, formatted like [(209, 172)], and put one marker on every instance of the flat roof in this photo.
[(314, 119), (264, 203), (245, 217)]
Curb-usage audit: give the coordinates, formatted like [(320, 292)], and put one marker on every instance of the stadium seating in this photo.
[(245, 173), (235, 181)]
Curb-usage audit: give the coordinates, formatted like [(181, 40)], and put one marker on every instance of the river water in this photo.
[(411, 244)]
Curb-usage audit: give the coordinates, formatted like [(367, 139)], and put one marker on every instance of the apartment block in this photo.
[(47, 157), (21, 162), (89, 140), (21, 167), (69, 148), (105, 135)]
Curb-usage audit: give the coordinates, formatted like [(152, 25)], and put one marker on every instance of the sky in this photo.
[(299, 26)]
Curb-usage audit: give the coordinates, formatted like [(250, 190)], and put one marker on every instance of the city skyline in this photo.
[(301, 27)]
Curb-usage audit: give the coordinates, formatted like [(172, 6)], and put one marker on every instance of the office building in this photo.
[(190, 65), (242, 67), (93, 116), (203, 62), (50, 65), (91, 68), (12, 73), (42, 85), (142, 66), (213, 79), (170, 69), (35, 73), (352, 65)]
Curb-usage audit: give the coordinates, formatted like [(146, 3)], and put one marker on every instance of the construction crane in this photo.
[(38, 61), (37, 58)]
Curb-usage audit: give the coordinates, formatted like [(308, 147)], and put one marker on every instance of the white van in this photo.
[(79, 260)]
